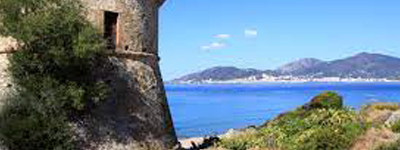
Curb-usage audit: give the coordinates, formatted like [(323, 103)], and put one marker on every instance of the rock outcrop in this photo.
[(393, 118)]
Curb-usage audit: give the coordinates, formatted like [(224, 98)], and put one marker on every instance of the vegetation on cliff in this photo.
[(324, 123), (52, 72)]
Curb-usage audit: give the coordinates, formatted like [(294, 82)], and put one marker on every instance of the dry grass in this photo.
[(384, 106), (378, 113), (374, 138), (376, 116)]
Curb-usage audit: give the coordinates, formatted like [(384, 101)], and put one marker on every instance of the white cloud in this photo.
[(250, 32), (214, 45), (223, 36)]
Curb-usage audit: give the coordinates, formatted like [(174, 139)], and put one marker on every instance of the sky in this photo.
[(265, 34)]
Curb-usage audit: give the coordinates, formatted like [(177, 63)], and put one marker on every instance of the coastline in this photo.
[(258, 99), (278, 82), (187, 143)]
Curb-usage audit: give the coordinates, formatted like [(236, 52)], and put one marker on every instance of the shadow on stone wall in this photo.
[(133, 113)]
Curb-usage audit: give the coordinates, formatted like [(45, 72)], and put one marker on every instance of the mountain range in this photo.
[(363, 65)]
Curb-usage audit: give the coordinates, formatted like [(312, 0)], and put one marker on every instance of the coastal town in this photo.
[(285, 79)]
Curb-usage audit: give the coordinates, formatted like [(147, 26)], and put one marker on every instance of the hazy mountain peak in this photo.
[(299, 65), (366, 54), (220, 73), (363, 54)]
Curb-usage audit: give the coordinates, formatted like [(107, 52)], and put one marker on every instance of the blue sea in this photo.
[(200, 110)]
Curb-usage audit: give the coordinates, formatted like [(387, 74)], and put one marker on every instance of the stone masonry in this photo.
[(137, 111), (6, 45)]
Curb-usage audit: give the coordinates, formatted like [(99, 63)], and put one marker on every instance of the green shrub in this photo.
[(329, 138), (236, 144), (23, 128), (396, 127), (321, 128), (243, 141), (390, 146), (52, 70), (330, 129), (326, 100)]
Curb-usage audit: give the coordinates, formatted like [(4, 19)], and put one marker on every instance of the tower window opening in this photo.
[(110, 29)]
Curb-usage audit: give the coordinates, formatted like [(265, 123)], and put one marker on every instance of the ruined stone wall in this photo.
[(138, 22), (137, 110)]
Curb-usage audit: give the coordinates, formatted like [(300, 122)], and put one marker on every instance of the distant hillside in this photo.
[(220, 74), (363, 65), (299, 66)]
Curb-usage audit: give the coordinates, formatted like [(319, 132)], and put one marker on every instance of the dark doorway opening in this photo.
[(110, 29)]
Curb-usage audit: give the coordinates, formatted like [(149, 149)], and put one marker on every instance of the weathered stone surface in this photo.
[(4, 79), (6, 45), (137, 110), (394, 118), (138, 22)]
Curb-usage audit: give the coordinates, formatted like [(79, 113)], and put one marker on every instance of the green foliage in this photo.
[(321, 128), (248, 139), (327, 100), (389, 146), (23, 128), (236, 144), (53, 72), (333, 128), (395, 127)]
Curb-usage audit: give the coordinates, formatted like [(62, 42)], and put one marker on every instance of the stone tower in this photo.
[(137, 110)]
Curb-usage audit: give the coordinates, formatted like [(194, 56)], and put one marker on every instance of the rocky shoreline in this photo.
[(189, 143)]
